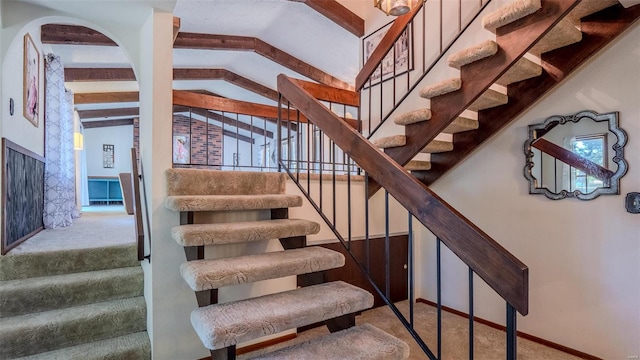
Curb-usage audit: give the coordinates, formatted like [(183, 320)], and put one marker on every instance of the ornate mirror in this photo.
[(579, 155)]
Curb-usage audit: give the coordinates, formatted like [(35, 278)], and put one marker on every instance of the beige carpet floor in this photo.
[(100, 226), (489, 343)]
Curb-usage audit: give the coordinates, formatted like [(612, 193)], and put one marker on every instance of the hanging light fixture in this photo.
[(395, 7)]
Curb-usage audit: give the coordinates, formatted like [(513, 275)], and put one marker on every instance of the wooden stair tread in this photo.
[(236, 232), (510, 13), (365, 342), (222, 325), (216, 273), (474, 53), (231, 202), (441, 88), (489, 99)]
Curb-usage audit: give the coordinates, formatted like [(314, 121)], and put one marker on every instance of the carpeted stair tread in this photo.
[(231, 202), (214, 274), (523, 69), (47, 263), (441, 88), (418, 165), (563, 34), (235, 232), (510, 13), (489, 99), (222, 325), (472, 54), (390, 141), (461, 124), (134, 346), (438, 146), (413, 117), (33, 295), (51, 330), (588, 7), (215, 182), (365, 342)]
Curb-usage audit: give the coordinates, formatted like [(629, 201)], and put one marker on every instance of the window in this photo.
[(593, 148)]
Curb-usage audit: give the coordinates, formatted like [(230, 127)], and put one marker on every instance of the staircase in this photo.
[(489, 91), (221, 326), (73, 304)]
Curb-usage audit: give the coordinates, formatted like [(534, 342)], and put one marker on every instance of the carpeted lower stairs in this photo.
[(221, 326), (73, 304)]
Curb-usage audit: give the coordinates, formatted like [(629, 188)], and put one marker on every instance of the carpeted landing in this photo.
[(75, 293), (489, 342)]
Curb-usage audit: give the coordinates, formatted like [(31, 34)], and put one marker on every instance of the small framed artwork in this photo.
[(181, 149), (403, 50), (31, 80), (107, 156)]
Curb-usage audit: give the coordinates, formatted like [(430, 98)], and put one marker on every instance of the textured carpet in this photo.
[(489, 343)]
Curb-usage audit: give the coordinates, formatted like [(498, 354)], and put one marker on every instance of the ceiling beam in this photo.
[(225, 120), (246, 43), (106, 123), (126, 74), (339, 14), (98, 74), (105, 97), (73, 35), (107, 113)]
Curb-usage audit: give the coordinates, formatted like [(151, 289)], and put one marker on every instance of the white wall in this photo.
[(121, 137), (583, 256)]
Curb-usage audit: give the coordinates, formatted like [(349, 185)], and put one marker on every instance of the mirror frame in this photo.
[(618, 158)]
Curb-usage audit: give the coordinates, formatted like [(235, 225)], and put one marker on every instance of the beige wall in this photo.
[(583, 256)]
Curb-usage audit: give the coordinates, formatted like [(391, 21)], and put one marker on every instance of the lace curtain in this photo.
[(59, 176)]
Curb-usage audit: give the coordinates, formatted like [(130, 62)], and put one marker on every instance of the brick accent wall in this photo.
[(201, 144)]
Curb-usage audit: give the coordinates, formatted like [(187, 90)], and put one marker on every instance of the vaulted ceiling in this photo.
[(233, 48)]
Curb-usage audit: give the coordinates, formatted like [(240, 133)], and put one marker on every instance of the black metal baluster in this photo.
[(333, 178), (471, 324), (366, 222), (439, 297), (251, 135), (387, 260), (410, 269), (237, 159), (511, 332), (321, 164), (349, 202)]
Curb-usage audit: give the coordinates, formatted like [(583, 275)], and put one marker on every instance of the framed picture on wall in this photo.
[(403, 50), (31, 80), (107, 156), (181, 148)]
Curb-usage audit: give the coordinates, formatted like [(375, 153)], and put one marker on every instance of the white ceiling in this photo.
[(291, 26)]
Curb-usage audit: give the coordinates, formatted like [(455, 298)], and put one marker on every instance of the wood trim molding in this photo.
[(105, 97), (505, 273), (246, 43), (339, 14), (597, 31), (521, 334), (387, 42), (176, 27)]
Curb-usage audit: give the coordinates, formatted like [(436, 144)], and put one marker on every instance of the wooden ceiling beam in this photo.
[(106, 123), (245, 43), (73, 35), (98, 74), (107, 113), (339, 14), (106, 97)]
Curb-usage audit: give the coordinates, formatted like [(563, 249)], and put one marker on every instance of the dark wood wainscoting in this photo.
[(398, 246)]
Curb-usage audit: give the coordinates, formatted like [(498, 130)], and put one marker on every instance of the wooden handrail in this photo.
[(572, 159), (387, 42), (137, 207), (330, 93), (507, 275)]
